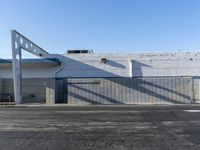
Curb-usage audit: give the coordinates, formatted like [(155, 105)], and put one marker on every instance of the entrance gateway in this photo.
[(19, 43)]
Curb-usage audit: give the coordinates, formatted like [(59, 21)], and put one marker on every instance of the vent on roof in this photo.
[(79, 51)]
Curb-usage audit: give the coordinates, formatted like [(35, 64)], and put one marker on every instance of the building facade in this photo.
[(107, 78)]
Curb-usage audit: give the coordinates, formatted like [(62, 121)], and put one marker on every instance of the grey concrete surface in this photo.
[(174, 127)]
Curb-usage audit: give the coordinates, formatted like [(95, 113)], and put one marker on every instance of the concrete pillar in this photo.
[(131, 68), (1, 87), (196, 90), (17, 71), (50, 92)]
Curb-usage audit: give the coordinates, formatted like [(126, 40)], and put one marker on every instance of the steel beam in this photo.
[(19, 43)]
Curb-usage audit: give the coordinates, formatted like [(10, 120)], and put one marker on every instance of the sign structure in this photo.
[(19, 43)]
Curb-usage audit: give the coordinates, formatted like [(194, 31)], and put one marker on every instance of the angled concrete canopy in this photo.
[(29, 63), (20, 42)]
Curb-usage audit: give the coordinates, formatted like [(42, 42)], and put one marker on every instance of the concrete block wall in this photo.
[(33, 90), (196, 88), (130, 90), (8, 86), (50, 91)]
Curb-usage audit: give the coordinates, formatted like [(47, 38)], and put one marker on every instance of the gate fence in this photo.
[(151, 90)]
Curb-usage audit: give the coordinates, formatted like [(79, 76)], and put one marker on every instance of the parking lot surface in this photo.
[(175, 127)]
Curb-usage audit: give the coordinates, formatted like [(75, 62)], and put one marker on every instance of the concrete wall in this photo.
[(50, 91), (128, 90), (196, 88), (34, 90), (117, 65), (176, 67)]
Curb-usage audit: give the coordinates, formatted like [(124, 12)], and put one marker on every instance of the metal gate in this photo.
[(152, 90)]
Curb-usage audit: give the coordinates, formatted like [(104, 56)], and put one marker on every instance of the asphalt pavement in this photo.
[(174, 127)]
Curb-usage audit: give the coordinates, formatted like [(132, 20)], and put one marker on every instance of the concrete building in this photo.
[(107, 78)]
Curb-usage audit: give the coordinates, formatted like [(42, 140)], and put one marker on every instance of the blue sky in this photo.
[(102, 25)]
